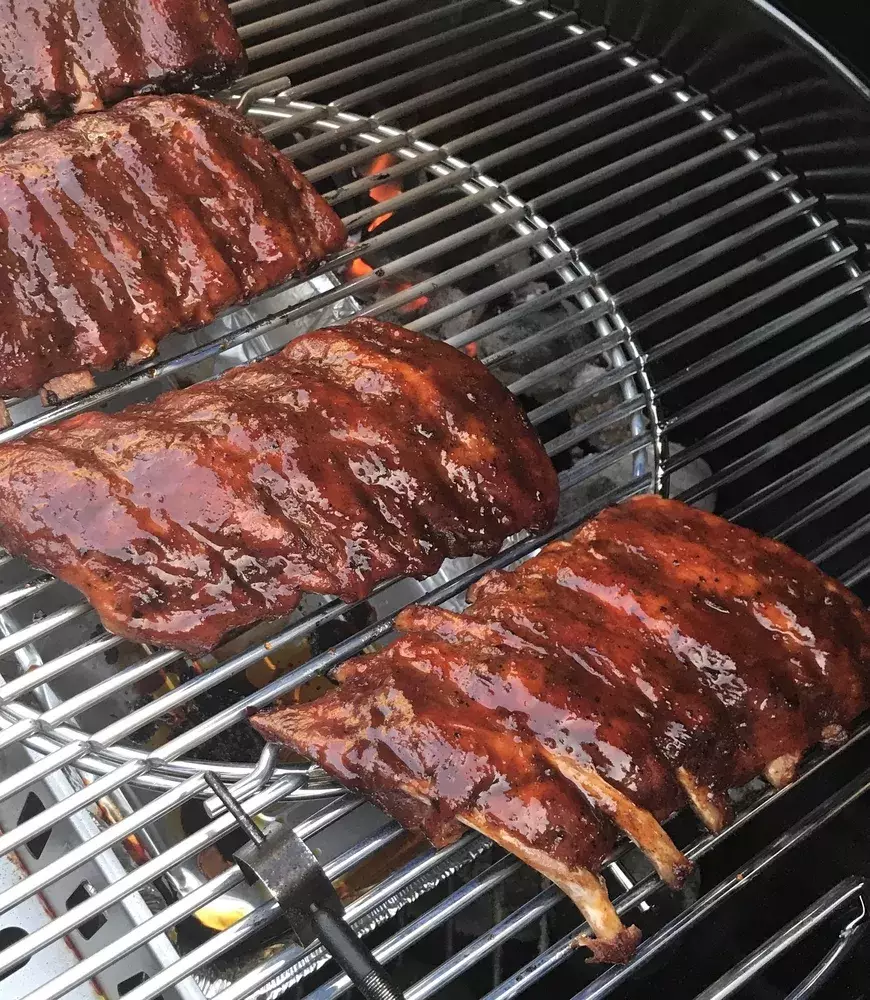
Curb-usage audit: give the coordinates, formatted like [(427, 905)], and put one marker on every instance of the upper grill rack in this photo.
[(654, 216)]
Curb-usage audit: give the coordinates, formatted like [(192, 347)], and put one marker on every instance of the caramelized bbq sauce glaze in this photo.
[(57, 56), (567, 709), (356, 454), (658, 638), (120, 227), (771, 654), (425, 753)]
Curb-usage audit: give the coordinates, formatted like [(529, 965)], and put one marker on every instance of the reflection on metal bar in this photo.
[(846, 894), (746, 875)]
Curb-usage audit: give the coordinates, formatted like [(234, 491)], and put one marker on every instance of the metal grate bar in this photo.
[(559, 444), (824, 505), (612, 170), (559, 132), (757, 337), (632, 191), (350, 47), (30, 633), (528, 88), (359, 69), (579, 95), (36, 676), (546, 336), (267, 912), (739, 273), (149, 870), (473, 81), (679, 234), (857, 574), (738, 239), (571, 156), (840, 541), (535, 970), (664, 939), (775, 446), (848, 891), (750, 303), (680, 202), (189, 904), (775, 404), (299, 36), (25, 591), (286, 19), (492, 291), (802, 474), (772, 367)]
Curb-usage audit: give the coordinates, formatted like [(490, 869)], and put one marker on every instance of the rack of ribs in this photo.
[(659, 658), (433, 760), (62, 56), (356, 454), (121, 227)]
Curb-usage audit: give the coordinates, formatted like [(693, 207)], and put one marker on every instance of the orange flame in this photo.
[(382, 192), (415, 305), (358, 268)]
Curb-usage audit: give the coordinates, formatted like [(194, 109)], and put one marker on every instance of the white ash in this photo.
[(596, 404), (621, 473)]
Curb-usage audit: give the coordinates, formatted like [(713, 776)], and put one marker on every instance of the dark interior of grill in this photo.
[(649, 219)]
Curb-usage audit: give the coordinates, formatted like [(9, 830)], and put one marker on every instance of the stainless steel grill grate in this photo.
[(674, 308)]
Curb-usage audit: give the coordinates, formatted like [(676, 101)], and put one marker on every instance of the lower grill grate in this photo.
[(675, 311)]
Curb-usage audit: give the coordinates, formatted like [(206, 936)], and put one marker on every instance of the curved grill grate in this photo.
[(675, 308)]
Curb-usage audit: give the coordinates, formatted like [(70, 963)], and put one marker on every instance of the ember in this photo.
[(383, 192)]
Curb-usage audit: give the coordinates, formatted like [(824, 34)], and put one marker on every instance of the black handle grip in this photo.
[(361, 966)]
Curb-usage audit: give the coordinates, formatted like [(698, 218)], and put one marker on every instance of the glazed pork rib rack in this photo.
[(661, 656), (64, 56), (355, 455), (127, 225)]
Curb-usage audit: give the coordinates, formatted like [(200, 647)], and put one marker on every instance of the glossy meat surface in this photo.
[(121, 227), (661, 656), (770, 655), (60, 56), (433, 759), (356, 454)]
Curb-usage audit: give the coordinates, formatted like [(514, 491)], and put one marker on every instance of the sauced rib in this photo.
[(743, 621), (60, 56), (637, 660), (432, 759), (594, 735), (356, 454), (121, 227)]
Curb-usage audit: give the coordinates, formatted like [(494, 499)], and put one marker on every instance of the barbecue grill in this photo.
[(649, 221)]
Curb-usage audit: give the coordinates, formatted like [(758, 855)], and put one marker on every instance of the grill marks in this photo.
[(357, 454), (118, 228), (661, 656), (61, 56)]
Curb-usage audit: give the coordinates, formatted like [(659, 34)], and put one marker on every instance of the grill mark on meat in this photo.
[(141, 221), (64, 56)]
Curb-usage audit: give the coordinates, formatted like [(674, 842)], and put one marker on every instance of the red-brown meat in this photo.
[(120, 227), (59, 56), (437, 762), (660, 655), (357, 454)]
